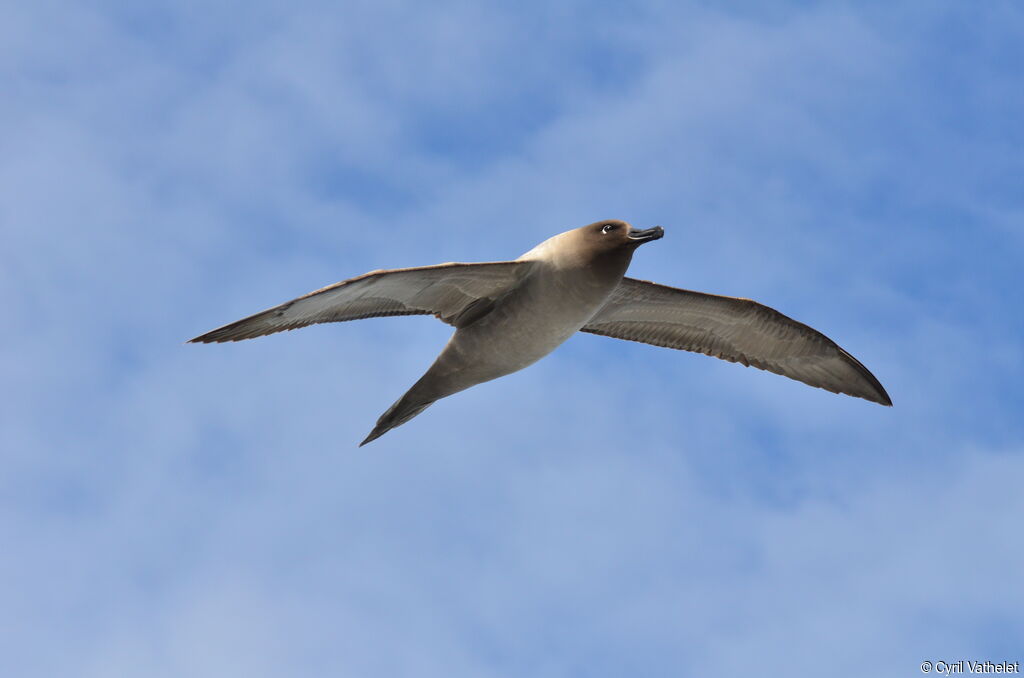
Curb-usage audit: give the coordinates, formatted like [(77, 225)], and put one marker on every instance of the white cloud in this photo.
[(616, 508)]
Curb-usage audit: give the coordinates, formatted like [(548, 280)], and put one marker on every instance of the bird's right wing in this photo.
[(737, 330), (455, 293)]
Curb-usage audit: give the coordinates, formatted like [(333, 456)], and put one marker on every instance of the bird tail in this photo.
[(404, 409)]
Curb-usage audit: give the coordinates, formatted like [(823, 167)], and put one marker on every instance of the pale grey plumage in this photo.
[(445, 290), (734, 329), (509, 314)]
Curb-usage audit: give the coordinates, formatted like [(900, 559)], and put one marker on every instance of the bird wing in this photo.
[(734, 329), (455, 293)]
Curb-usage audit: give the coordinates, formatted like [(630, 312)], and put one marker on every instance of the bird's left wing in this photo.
[(455, 293), (737, 330)]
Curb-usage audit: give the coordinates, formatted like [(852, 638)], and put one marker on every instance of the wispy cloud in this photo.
[(615, 509)]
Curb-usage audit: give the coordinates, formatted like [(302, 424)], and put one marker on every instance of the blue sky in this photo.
[(617, 509)]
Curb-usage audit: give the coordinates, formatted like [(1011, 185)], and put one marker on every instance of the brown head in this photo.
[(603, 246), (613, 236)]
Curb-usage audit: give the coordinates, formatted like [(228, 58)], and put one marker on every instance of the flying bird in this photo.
[(508, 315)]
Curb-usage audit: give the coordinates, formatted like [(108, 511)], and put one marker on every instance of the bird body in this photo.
[(560, 289), (508, 315)]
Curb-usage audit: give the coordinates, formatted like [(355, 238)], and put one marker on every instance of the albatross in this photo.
[(508, 315)]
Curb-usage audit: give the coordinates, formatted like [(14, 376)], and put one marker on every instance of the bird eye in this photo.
[(607, 228)]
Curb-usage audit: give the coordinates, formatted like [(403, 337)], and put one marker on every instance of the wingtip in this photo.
[(882, 398), (224, 335), (875, 394), (205, 339), (374, 434), (879, 398)]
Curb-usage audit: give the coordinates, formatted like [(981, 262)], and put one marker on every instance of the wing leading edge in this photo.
[(446, 291), (733, 329)]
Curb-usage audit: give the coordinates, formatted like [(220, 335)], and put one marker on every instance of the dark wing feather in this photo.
[(737, 330), (446, 291)]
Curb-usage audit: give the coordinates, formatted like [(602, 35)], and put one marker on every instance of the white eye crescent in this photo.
[(607, 228)]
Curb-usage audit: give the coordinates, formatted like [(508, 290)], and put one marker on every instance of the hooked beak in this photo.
[(640, 237)]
